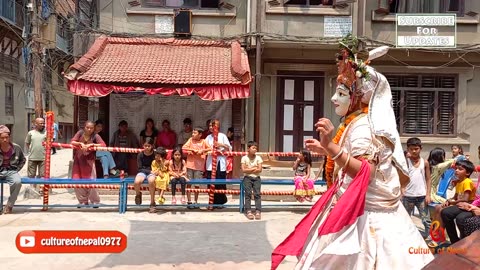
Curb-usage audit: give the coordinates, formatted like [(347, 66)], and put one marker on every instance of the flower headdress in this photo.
[(352, 62)]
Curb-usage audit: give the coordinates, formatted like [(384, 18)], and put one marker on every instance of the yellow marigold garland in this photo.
[(330, 165)]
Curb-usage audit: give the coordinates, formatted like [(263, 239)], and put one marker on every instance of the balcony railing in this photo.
[(9, 64)]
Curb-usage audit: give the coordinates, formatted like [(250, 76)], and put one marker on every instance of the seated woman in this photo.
[(106, 158)]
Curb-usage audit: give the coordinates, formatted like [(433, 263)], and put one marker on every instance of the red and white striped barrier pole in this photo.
[(48, 156), (211, 194), (225, 153)]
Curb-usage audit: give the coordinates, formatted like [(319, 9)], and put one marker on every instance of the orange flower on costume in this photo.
[(330, 163)]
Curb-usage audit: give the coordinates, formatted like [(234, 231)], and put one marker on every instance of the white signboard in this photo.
[(426, 30), (136, 108), (163, 24), (336, 26)]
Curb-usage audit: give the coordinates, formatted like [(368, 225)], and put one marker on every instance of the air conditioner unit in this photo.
[(182, 22)]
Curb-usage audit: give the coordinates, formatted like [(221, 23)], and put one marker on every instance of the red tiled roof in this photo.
[(163, 61)]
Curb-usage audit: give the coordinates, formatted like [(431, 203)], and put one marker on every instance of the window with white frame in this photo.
[(421, 6), (309, 2), (424, 104), (191, 4), (9, 100)]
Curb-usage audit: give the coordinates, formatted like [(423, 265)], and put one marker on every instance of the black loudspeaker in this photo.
[(182, 21)]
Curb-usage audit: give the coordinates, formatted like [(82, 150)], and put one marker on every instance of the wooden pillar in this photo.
[(104, 115), (258, 70), (238, 119)]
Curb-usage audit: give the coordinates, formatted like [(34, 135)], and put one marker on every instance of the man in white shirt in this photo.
[(221, 173)]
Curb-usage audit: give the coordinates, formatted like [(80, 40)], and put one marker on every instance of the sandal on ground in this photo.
[(80, 205), (183, 201), (174, 201), (152, 209), (7, 210), (138, 199), (432, 244), (116, 174), (250, 215), (161, 200), (300, 199), (258, 215), (308, 199)]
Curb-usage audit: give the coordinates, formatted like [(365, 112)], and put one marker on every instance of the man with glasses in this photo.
[(12, 161)]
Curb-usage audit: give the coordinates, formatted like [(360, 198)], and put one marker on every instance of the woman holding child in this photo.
[(359, 223)]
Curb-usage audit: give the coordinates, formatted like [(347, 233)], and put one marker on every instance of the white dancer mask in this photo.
[(341, 100)]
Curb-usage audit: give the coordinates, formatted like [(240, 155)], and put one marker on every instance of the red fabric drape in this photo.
[(211, 92), (348, 208)]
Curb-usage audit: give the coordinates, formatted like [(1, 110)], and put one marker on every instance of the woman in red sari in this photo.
[(84, 162)]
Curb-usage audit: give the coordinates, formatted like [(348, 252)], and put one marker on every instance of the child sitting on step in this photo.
[(304, 186), (160, 169)]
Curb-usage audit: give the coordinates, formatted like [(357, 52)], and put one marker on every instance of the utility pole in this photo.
[(36, 54)]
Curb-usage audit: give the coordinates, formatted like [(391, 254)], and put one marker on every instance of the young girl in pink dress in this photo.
[(304, 188)]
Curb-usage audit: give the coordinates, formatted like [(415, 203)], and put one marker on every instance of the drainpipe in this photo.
[(248, 43), (258, 69), (361, 17), (249, 18)]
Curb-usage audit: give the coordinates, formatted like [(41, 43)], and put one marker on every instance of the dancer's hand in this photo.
[(325, 127), (314, 146)]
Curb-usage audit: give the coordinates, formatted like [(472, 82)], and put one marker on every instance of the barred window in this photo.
[(416, 6), (9, 100), (424, 104)]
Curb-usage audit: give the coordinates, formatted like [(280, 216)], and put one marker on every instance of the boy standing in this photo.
[(252, 167), (464, 193), (417, 192), (195, 147)]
